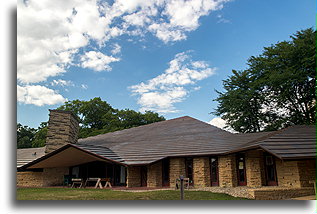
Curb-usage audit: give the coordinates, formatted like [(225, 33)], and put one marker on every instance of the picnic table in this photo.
[(98, 182), (77, 181)]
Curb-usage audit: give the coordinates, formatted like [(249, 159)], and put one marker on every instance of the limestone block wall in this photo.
[(154, 175), (133, 176), (177, 168), (201, 172), (29, 179), (227, 171), (307, 172), (255, 170), (54, 176), (62, 129), (287, 173)]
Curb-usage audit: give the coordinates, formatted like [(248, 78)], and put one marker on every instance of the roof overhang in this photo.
[(66, 156)]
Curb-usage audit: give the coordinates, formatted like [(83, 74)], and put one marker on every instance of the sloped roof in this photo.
[(25, 156), (186, 136), (293, 142)]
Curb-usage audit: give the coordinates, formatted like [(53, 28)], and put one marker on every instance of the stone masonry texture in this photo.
[(307, 172), (287, 173), (201, 172), (62, 129), (177, 168), (29, 179), (154, 175), (133, 176), (54, 176), (254, 161), (227, 171)]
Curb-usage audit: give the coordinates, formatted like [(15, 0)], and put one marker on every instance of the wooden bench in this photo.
[(77, 181), (98, 182)]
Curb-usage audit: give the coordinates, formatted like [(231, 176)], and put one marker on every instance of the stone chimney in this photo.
[(63, 127)]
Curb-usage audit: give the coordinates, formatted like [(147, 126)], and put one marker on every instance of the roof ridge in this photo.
[(147, 125)]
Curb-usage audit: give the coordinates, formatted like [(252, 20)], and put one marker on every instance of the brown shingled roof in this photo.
[(186, 136)]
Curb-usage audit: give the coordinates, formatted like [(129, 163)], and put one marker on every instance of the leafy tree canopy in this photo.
[(98, 117), (25, 135), (276, 90)]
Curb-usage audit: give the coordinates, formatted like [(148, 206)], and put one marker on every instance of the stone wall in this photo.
[(278, 193), (255, 170), (201, 172), (287, 173), (54, 176), (49, 177), (307, 172), (62, 129), (177, 168), (227, 171), (154, 175), (29, 179), (133, 176)]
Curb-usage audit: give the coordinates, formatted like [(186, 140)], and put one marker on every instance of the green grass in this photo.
[(107, 194)]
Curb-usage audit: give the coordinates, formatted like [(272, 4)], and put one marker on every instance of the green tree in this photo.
[(276, 90), (25, 136), (98, 117), (40, 136)]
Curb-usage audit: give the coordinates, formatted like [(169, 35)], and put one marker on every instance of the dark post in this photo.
[(181, 178)]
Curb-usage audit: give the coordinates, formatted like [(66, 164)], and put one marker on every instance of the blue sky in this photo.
[(165, 56)]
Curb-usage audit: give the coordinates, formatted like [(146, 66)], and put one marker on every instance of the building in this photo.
[(281, 162)]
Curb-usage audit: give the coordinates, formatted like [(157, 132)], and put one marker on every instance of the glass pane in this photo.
[(241, 175)]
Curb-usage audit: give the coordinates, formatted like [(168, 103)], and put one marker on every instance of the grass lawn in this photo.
[(107, 194)]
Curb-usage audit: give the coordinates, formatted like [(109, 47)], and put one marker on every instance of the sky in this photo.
[(167, 56)]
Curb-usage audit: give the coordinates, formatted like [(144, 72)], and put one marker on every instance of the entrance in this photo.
[(214, 171), (165, 172), (100, 169), (242, 179), (143, 176), (270, 170), (189, 169)]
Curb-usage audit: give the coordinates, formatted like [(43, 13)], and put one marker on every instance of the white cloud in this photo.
[(84, 86), (220, 123), (51, 34), (38, 95), (62, 83), (116, 49), (97, 61), (162, 92)]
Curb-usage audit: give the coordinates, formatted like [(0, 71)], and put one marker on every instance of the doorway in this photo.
[(165, 172), (143, 176), (214, 177), (242, 178), (189, 170), (270, 170)]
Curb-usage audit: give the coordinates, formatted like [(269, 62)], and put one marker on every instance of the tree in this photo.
[(40, 136), (98, 117), (90, 112), (276, 90), (25, 136)]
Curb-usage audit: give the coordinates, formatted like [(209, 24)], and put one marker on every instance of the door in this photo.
[(242, 178), (214, 171), (189, 170), (165, 172), (270, 170), (143, 176)]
